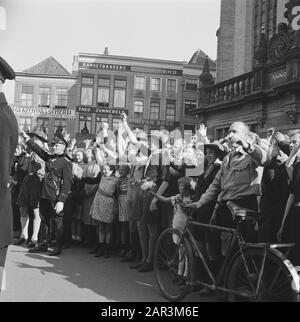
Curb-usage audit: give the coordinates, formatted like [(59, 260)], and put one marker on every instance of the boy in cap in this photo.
[(8, 145), (30, 191)]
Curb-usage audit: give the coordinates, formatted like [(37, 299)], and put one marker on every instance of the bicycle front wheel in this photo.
[(278, 280), (173, 265)]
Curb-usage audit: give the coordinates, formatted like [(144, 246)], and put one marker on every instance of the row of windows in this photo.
[(119, 101), (89, 81), (61, 96), (102, 101), (25, 123), (140, 83), (139, 110), (155, 85), (155, 110), (85, 124), (103, 97)]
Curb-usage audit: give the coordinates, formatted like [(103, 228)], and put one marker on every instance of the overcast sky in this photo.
[(163, 29)]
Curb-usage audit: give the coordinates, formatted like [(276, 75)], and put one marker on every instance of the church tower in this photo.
[(241, 24)]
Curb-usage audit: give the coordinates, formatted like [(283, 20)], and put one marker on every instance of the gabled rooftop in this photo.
[(199, 58), (48, 67)]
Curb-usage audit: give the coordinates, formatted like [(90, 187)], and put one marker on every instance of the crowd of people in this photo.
[(119, 193)]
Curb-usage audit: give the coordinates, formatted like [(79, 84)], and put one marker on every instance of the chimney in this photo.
[(106, 51)]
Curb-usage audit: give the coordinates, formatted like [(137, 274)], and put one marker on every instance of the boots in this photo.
[(131, 255), (56, 251), (138, 261), (123, 252), (101, 250), (39, 248), (107, 250), (128, 258)]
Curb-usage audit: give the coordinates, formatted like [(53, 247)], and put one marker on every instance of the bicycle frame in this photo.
[(236, 239)]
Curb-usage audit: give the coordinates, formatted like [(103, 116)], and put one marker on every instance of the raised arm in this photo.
[(203, 134), (99, 156), (291, 159), (35, 148), (111, 153), (131, 136), (257, 153)]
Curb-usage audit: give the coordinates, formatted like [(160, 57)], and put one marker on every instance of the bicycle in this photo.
[(254, 272)]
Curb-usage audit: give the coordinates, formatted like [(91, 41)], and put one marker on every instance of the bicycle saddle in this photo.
[(241, 212)]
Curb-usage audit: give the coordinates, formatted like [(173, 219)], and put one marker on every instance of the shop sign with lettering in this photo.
[(155, 123), (172, 72), (63, 113), (86, 65), (100, 110)]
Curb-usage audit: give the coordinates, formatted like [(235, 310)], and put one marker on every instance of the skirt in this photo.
[(104, 209)]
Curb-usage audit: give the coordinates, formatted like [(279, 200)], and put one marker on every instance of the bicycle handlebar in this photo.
[(186, 208), (183, 205)]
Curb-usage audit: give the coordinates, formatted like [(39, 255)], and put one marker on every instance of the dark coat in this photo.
[(204, 182), (8, 145), (58, 178)]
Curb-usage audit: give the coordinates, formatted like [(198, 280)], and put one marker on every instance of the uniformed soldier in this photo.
[(8, 145), (55, 190)]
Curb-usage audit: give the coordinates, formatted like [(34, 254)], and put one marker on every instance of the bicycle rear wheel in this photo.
[(173, 265), (278, 283)]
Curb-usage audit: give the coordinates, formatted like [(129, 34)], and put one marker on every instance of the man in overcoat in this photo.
[(8, 145)]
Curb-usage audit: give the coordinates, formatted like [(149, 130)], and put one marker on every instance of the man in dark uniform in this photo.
[(8, 145), (55, 190)]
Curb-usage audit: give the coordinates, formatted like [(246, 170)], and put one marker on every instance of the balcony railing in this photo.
[(231, 89)]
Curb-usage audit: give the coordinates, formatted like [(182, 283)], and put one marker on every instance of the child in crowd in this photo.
[(180, 218), (104, 209), (77, 200)]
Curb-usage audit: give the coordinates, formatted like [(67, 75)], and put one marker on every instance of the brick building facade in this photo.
[(154, 93), (44, 97)]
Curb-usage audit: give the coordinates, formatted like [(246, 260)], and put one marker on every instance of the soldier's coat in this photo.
[(8, 143)]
